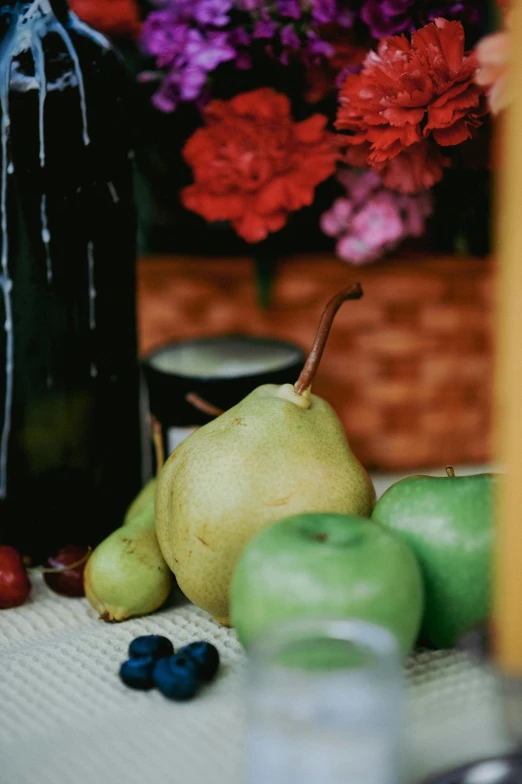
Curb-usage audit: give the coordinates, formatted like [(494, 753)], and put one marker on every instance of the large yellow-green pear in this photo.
[(281, 451)]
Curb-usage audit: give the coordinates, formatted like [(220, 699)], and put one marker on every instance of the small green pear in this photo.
[(144, 500), (281, 451), (126, 574)]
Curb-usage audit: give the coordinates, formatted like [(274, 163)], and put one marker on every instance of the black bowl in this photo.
[(171, 374), (504, 769)]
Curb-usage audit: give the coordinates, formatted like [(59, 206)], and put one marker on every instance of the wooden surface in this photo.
[(408, 368), (508, 584)]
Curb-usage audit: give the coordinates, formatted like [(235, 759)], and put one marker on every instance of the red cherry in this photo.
[(14, 582), (67, 582)]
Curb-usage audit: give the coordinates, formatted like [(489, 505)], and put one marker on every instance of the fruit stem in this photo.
[(305, 380), (207, 408), (58, 569), (450, 471), (158, 444)]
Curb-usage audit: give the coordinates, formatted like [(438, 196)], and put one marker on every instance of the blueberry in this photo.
[(137, 673), (150, 645), (177, 677), (206, 657)]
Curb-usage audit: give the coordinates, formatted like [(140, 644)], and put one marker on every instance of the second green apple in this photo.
[(447, 522), (321, 565)]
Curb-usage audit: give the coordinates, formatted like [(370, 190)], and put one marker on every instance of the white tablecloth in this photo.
[(65, 717)]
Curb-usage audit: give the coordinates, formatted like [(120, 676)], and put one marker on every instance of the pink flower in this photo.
[(371, 220), (379, 222), (356, 250), (359, 186), (338, 218)]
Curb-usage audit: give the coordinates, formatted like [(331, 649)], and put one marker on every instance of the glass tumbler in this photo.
[(325, 705)]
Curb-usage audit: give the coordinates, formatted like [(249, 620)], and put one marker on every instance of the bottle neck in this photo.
[(59, 7)]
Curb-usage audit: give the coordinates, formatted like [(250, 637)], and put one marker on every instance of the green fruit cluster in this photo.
[(126, 574), (263, 515)]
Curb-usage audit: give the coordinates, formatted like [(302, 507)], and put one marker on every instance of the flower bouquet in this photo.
[(310, 129), (293, 125)]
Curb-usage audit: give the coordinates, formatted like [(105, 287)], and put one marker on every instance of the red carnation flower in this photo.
[(253, 164), (112, 17), (411, 99), (348, 53)]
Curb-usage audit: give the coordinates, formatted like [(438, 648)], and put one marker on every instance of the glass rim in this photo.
[(379, 641)]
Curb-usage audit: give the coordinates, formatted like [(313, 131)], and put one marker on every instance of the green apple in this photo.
[(327, 565), (447, 522)]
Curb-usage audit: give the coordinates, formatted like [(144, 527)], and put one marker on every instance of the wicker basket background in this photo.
[(408, 368)]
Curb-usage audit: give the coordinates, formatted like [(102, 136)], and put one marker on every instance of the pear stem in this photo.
[(207, 408), (450, 471), (305, 380), (158, 444)]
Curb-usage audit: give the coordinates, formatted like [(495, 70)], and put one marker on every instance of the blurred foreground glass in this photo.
[(325, 705)]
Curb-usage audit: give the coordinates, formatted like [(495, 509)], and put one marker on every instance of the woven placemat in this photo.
[(65, 716)]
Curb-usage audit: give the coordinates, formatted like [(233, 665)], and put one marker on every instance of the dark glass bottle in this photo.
[(69, 388)]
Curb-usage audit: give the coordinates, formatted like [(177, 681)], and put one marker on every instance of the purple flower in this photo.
[(188, 53), (239, 37), (243, 60), (176, 85), (389, 17), (346, 16), (189, 39), (469, 12), (240, 40), (384, 22), (264, 28), (212, 12), (209, 51), (316, 49), (166, 100), (191, 82), (181, 10), (249, 5), (396, 7), (289, 37), (371, 220), (289, 8), (324, 11), (182, 85), (163, 37)]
